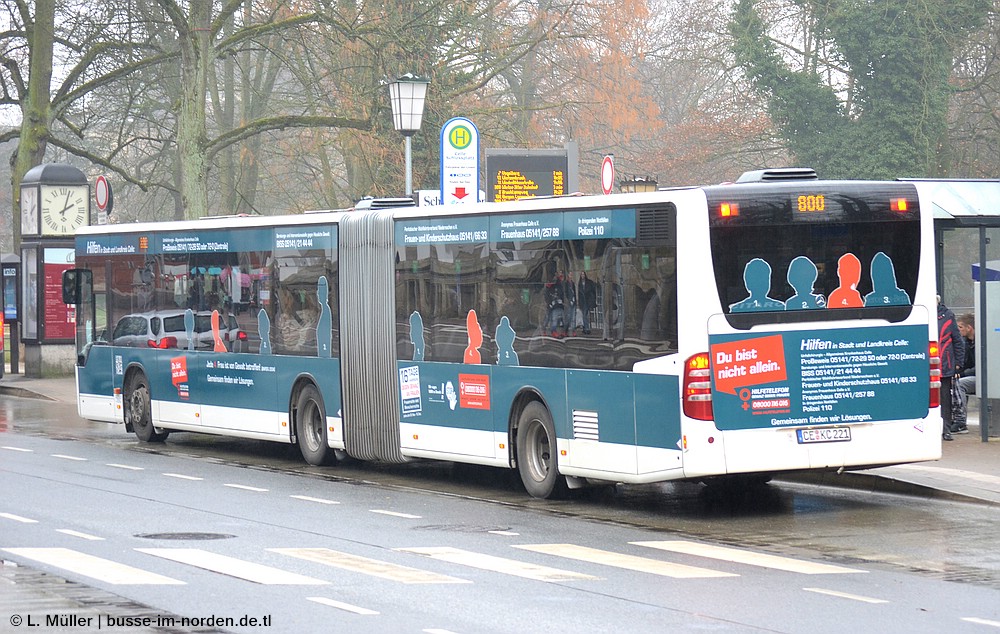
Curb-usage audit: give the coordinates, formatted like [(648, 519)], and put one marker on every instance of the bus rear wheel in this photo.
[(310, 427), (139, 411), (537, 463)]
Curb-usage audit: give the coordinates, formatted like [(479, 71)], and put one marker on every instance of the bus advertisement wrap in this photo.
[(603, 339), (820, 377)]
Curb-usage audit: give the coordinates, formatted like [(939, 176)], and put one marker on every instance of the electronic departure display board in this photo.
[(512, 175)]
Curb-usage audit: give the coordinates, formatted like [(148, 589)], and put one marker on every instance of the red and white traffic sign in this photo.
[(101, 191), (105, 199), (608, 174)]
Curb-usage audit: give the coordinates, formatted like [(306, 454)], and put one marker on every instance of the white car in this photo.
[(165, 329)]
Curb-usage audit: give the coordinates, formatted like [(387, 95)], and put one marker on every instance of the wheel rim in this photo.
[(137, 405), (539, 451), (312, 426)]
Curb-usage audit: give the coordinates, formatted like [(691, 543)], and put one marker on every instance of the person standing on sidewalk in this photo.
[(967, 371), (951, 350)]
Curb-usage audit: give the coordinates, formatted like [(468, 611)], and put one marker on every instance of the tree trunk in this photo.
[(196, 52), (35, 107)]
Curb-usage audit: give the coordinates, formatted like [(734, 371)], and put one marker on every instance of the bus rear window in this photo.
[(790, 252)]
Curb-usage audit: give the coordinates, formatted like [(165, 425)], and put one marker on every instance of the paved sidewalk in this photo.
[(969, 468)]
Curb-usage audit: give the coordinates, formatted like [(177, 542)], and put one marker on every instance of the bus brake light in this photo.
[(898, 204), (728, 210), (934, 354), (698, 387)]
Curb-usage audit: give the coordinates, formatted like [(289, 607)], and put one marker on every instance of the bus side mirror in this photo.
[(74, 283)]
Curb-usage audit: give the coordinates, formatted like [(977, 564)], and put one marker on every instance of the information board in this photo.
[(512, 175)]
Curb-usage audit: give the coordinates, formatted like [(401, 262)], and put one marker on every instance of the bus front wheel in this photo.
[(310, 426), (139, 410), (536, 453)]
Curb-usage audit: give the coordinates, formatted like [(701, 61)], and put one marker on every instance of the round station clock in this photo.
[(64, 208)]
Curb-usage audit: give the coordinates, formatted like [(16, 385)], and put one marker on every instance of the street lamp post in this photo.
[(638, 184), (406, 95)]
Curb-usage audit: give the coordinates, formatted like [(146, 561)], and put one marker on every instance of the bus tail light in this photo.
[(899, 204), (934, 354), (698, 387), (729, 210)]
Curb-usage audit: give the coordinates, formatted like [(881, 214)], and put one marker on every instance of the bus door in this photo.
[(86, 290)]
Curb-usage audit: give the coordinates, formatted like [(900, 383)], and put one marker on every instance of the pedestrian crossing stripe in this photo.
[(258, 573), (120, 574), (628, 562), (340, 605), (93, 567), (364, 565), (750, 558), (499, 564)]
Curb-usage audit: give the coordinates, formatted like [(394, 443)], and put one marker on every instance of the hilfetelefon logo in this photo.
[(747, 366), (179, 376)]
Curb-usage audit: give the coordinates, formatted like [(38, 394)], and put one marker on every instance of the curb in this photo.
[(878, 484), (13, 390)]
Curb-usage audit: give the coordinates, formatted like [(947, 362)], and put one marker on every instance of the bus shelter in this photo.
[(967, 232)]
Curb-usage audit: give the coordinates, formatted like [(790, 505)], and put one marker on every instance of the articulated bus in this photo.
[(741, 329)]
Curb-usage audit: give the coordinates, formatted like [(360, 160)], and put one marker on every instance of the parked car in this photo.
[(165, 329)]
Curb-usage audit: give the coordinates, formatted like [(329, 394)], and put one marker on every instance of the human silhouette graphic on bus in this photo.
[(846, 295), (264, 330), (802, 276), (189, 327), (757, 279), (324, 326), (475, 338), (505, 343), (417, 335), (884, 289), (218, 345)]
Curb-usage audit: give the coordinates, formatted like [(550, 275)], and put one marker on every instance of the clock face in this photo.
[(64, 208), (29, 211)]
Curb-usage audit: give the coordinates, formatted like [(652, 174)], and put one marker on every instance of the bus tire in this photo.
[(310, 427), (537, 461), (139, 410)]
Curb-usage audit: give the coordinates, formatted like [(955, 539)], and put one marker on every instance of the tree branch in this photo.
[(281, 123)]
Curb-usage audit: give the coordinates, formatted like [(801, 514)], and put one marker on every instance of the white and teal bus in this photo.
[(743, 329)]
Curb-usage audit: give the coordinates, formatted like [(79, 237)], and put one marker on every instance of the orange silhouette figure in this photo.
[(220, 345), (475, 338), (846, 295)]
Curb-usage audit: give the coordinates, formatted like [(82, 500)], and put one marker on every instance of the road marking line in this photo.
[(498, 564), (312, 499), (245, 487), (437, 631), (739, 556), (124, 466), (18, 518), (93, 567), (182, 476), (396, 514), (364, 565), (258, 573), (65, 457), (505, 533), (844, 595), (67, 531), (628, 562), (978, 621), (343, 606), (19, 449)]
